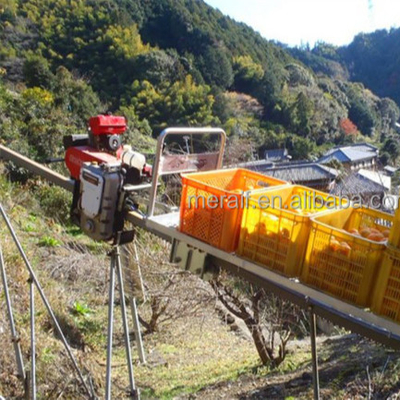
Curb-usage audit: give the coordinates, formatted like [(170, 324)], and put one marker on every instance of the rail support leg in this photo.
[(133, 391), (110, 327), (313, 334), (33, 339), (45, 302), (136, 328), (172, 254), (14, 335)]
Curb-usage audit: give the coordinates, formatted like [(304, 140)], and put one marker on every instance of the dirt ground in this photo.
[(350, 367)]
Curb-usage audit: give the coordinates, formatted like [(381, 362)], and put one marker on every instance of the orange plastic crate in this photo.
[(218, 222), (386, 298), (276, 236), (341, 263)]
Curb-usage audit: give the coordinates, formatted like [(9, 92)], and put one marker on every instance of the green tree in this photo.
[(392, 147), (179, 103), (302, 113), (216, 67), (75, 96), (157, 66), (37, 72), (300, 148)]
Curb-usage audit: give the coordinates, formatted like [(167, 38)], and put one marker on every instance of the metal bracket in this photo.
[(166, 164)]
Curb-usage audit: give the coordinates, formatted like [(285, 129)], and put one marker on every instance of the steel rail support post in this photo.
[(134, 311), (172, 254), (33, 338), (45, 302), (313, 334), (14, 336), (142, 288), (110, 326), (134, 394), (136, 328)]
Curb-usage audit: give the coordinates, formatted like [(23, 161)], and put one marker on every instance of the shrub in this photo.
[(55, 202)]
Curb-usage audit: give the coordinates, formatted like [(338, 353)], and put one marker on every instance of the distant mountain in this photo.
[(371, 58), (181, 62)]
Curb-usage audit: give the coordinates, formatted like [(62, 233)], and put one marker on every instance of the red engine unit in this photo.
[(107, 125), (103, 145)]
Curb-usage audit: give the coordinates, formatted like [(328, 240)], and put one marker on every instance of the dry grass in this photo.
[(191, 347), (192, 354)]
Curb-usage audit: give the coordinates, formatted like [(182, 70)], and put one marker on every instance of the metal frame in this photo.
[(157, 170), (115, 267), (317, 303), (14, 336), (33, 282)]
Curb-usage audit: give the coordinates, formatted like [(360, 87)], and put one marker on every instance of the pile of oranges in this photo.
[(371, 234), (368, 233)]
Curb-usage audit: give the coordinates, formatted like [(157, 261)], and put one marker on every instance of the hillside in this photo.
[(371, 59), (166, 63), (163, 63), (196, 350)]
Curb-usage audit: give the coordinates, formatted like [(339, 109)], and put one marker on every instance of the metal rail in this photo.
[(36, 168), (339, 312), (165, 226)]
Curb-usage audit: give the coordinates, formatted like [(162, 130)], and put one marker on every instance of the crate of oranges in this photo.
[(386, 299), (394, 237), (276, 225), (344, 251), (212, 203)]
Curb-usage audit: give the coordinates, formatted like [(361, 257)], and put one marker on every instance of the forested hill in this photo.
[(169, 62), (371, 58)]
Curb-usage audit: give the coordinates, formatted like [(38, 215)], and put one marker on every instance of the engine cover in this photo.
[(76, 157), (99, 192)]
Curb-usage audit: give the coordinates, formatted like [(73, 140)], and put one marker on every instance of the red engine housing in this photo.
[(107, 125), (76, 156)]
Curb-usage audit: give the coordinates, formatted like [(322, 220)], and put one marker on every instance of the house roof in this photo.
[(355, 184), (346, 154), (254, 165), (363, 182), (391, 169), (377, 177), (356, 146), (276, 154), (306, 172), (364, 147)]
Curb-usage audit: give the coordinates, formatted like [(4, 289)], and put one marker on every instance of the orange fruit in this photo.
[(344, 248), (334, 245), (354, 231), (365, 232), (377, 237), (285, 232), (386, 233)]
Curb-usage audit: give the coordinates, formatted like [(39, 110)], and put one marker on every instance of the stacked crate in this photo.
[(386, 300), (212, 203), (344, 253), (276, 226)]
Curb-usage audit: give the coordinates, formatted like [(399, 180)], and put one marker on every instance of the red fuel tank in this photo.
[(107, 125)]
